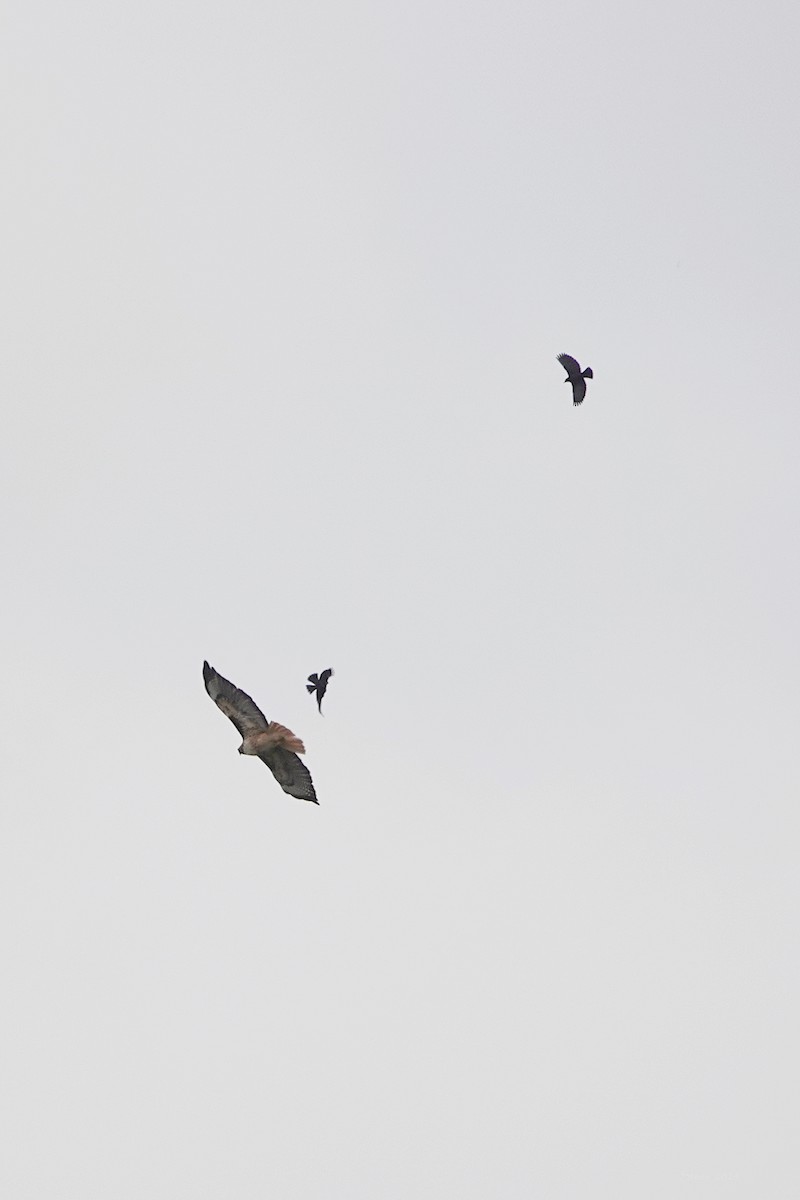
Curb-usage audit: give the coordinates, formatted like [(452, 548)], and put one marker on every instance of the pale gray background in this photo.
[(283, 287)]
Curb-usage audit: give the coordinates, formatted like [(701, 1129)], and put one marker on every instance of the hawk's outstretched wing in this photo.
[(292, 774), (236, 704)]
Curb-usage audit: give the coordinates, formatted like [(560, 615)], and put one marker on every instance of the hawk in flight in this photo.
[(575, 376), (319, 684), (274, 744)]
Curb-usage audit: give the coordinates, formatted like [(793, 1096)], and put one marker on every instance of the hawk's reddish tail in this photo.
[(279, 735)]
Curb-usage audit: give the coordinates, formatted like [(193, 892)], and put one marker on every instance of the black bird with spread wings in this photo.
[(319, 684), (575, 376), (274, 744)]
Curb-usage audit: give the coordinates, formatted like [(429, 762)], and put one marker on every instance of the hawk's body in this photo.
[(319, 684), (575, 376), (274, 744)]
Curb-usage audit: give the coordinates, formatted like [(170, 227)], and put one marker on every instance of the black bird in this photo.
[(319, 684), (575, 376)]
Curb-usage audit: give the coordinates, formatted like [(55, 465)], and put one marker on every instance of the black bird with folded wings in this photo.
[(575, 376), (319, 684), (274, 744)]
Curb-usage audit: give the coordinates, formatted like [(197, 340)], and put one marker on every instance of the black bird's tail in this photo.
[(310, 687), (588, 373)]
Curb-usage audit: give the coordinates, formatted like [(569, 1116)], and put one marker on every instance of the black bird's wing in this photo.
[(570, 365), (323, 685), (578, 389)]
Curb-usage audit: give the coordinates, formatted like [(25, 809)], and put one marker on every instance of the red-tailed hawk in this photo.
[(575, 376), (319, 684), (274, 744)]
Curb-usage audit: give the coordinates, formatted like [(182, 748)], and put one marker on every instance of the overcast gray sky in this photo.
[(283, 287)]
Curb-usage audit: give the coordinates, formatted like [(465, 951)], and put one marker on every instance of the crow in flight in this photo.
[(575, 376), (319, 684)]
